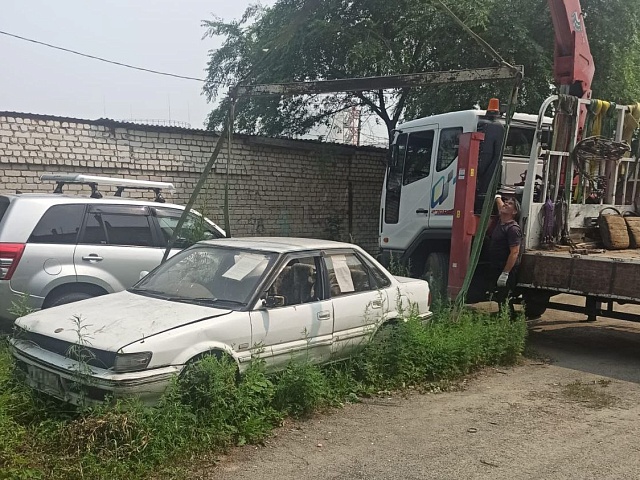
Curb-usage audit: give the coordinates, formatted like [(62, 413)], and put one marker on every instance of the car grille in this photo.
[(82, 353)]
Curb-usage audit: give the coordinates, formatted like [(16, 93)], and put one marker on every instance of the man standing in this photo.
[(504, 250)]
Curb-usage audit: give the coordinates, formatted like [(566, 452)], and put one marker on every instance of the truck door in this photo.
[(408, 188), (443, 179)]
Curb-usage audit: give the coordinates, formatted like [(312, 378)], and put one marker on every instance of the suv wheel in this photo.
[(70, 298)]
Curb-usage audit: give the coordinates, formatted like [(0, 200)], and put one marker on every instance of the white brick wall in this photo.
[(276, 187)]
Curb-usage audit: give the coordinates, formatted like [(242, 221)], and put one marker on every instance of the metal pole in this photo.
[(196, 190)]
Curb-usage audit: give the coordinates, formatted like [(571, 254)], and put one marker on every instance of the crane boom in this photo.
[(573, 63)]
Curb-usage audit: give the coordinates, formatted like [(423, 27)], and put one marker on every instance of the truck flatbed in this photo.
[(612, 274)]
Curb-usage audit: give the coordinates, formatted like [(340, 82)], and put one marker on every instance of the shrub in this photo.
[(300, 389)]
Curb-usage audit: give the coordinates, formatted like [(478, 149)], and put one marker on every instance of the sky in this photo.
[(164, 35)]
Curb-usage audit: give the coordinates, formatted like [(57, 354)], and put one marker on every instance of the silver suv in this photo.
[(57, 249)]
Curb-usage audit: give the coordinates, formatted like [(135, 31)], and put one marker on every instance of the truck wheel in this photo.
[(535, 304), (436, 272)]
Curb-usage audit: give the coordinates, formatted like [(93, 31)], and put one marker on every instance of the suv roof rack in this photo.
[(120, 183)]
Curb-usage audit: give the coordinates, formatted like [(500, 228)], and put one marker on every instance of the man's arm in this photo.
[(514, 251), (499, 201)]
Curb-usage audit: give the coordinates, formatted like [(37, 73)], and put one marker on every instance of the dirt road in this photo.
[(575, 416)]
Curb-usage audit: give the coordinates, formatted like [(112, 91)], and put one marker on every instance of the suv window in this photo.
[(194, 229), (117, 229), (59, 225), (4, 205)]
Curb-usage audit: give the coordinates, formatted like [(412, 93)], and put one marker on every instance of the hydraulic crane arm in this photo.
[(573, 63)]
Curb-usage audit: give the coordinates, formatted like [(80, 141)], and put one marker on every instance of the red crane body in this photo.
[(573, 67)]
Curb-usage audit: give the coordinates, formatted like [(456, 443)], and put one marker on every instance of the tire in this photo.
[(436, 272), (535, 303), (220, 355), (69, 297)]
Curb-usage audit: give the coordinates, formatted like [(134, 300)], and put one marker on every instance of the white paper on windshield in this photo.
[(343, 274), (244, 266)]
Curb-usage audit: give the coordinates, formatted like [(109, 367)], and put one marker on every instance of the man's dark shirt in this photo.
[(503, 237)]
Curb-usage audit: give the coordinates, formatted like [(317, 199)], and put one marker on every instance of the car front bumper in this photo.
[(81, 384)]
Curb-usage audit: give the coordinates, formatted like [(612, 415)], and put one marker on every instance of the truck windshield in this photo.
[(396, 165)]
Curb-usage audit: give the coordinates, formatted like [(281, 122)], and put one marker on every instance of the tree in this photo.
[(297, 40), (613, 27)]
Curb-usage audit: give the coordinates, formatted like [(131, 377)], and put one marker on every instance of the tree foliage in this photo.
[(613, 27), (298, 40)]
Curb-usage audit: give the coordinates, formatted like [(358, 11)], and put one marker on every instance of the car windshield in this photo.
[(207, 275)]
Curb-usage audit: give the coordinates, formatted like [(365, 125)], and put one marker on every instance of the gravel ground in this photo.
[(572, 414)]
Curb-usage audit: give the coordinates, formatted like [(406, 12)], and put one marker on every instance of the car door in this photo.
[(116, 243), (360, 299), (297, 322)]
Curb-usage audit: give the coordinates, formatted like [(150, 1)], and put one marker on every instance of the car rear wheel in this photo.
[(69, 297)]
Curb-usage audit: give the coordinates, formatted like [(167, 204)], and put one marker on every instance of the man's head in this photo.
[(510, 206)]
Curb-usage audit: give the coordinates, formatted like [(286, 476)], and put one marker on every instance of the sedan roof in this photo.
[(278, 244)]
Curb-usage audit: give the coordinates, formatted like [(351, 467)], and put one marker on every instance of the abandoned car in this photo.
[(276, 298)]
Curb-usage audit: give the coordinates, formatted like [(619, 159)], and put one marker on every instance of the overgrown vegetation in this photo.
[(210, 408)]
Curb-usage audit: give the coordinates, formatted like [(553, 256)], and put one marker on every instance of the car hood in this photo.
[(110, 322)]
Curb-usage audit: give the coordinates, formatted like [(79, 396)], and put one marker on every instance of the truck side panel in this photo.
[(611, 275)]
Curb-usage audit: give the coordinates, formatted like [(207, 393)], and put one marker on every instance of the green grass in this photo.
[(209, 410)]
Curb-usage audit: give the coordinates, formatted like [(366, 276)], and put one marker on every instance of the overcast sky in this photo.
[(163, 35)]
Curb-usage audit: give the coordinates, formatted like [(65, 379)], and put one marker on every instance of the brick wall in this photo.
[(276, 186)]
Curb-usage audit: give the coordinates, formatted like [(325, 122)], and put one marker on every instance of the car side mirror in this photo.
[(143, 274), (273, 301)]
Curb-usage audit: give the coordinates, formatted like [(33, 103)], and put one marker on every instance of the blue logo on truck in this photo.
[(440, 190)]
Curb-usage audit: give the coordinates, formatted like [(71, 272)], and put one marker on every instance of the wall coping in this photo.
[(301, 144)]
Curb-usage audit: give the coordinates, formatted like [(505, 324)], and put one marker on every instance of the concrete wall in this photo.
[(277, 187)]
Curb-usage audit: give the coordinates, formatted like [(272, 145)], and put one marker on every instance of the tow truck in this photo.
[(438, 178)]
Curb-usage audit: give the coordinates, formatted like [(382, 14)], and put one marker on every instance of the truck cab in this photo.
[(417, 202)]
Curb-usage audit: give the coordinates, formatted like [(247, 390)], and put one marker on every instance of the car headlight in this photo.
[(131, 362)]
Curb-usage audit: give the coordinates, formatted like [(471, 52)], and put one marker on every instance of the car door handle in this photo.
[(376, 304), (324, 315), (422, 210), (92, 258)]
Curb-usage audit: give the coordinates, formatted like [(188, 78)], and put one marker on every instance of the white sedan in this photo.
[(277, 298)]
